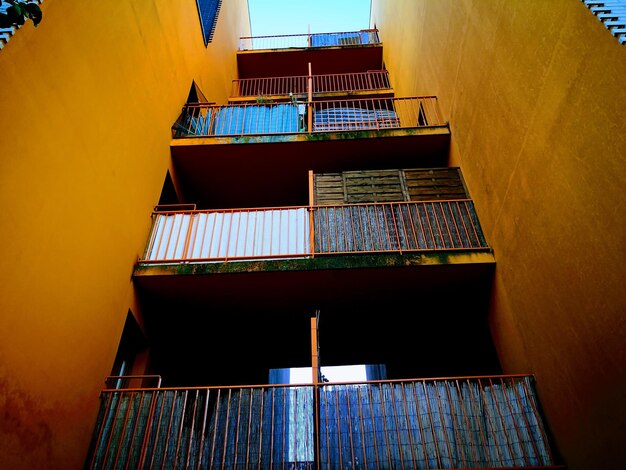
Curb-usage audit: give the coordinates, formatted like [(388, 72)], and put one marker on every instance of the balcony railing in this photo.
[(205, 120), (305, 231), (297, 85), (285, 41), (475, 422)]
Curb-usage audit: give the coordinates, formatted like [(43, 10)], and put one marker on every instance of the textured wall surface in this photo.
[(87, 101), (535, 95)]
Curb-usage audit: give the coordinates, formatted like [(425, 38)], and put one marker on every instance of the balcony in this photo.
[(301, 41), (461, 422), (285, 55), (398, 249), (202, 236), (364, 84), (300, 117), (282, 141)]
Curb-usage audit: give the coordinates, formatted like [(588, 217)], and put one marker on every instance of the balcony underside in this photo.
[(250, 313), (285, 160), (295, 61)]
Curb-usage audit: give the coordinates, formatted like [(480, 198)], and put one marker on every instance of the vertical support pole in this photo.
[(311, 215), (315, 367), (310, 101)]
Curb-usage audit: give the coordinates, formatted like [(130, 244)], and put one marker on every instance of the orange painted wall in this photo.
[(87, 100), (535, 95)]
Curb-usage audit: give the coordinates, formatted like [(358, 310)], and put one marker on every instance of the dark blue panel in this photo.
[(208, 11)]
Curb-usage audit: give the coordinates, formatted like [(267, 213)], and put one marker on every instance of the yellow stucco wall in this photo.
[(534, 91), (87, 100)]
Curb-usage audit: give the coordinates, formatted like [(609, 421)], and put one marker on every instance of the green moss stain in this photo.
[(386, 260)]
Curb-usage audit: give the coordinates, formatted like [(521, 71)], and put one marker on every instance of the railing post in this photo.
[(311, 215), (315, 369), (315, 377), (310, 101)]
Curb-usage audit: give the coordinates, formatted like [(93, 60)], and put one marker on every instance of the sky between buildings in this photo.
[(275, 17)]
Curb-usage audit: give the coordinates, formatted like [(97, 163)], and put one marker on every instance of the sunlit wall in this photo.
[(87, 100), (534, 92)]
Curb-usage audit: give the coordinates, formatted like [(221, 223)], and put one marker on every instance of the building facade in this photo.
[(423, 199), (88, 98), (534, 97)]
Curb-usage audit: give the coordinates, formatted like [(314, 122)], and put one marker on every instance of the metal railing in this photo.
[(285, 41), (305, 231), (297, 85), (204, 120), (458, 422)]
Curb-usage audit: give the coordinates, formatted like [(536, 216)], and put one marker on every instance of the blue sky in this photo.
[(274, 17)]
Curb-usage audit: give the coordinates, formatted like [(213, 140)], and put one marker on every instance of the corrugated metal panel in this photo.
[(272, 119), (344, 39), (220, 235), (612, 13), (240, 120)]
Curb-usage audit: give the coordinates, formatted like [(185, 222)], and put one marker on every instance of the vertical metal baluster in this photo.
[(158, 428), (126, 418), (218, 406), (169, 429), (396, 423), (204, 419), (465, 231), (248, 427), (443, 425), (261, 409), (386, 431), (107, 408), (349, 419), (432, 424), (537, 416), (526, 423), (419, 426), (506, 434), (135, 426), (478, 419), (467, 424), (272, 432), (360, 414), (113, 422), (338, 415), (227, 426), (436, 217), (240, 396), (373, 415), (473, 224), (445, 222), (180, 430), (455, 424)]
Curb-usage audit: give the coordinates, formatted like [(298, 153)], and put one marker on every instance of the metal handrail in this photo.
[(297, 84), (451, 422), (208, 120), (308, 40)]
